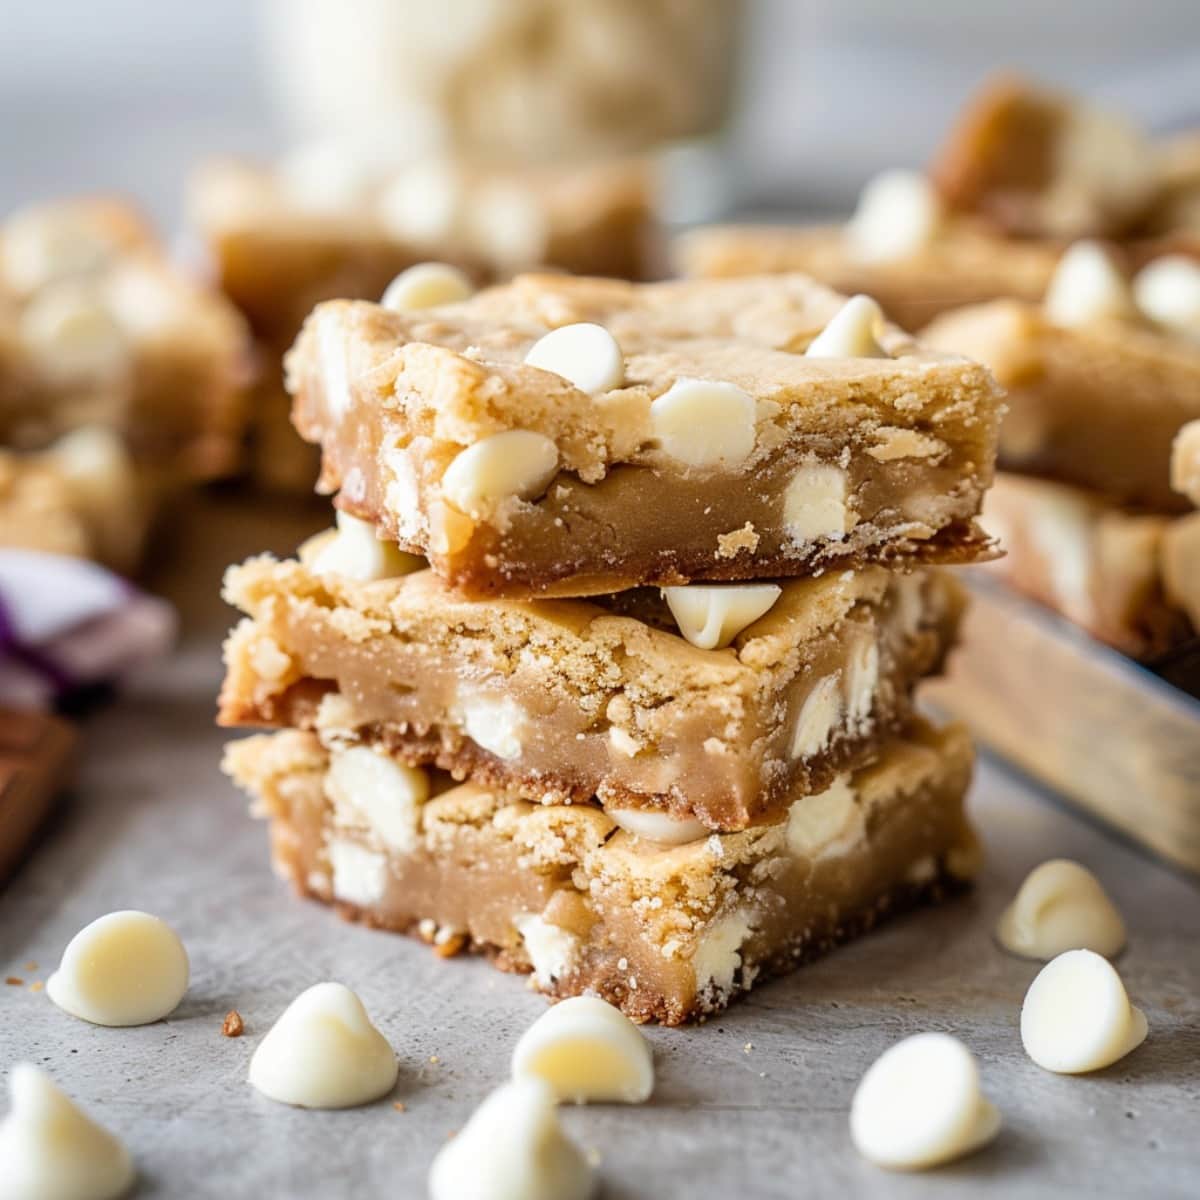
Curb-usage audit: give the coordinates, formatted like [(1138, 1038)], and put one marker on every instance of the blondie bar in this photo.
[(97, 328), (662, 433), (566, 700), (668, 933)]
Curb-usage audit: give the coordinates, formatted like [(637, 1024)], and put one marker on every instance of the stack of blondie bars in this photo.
[(608, 668)]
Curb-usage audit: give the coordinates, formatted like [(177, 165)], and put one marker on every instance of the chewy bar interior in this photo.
[(97, 328), (563, 700), (667, 933), (700, 430)]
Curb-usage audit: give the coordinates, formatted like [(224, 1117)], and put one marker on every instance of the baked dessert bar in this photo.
[(667, 933), (1185, 462), (1130, 580), (97, 328), (82, 496), (900, 248), (566, 700), (1100, 376), (35, 751), (1036, 162), (712, 432)]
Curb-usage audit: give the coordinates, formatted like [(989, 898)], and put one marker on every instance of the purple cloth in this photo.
[(68, 624)]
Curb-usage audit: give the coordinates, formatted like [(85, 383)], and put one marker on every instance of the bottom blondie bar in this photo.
[(668, 933)]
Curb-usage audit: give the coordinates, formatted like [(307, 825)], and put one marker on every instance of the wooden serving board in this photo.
[(34, 750), (1102, 730)]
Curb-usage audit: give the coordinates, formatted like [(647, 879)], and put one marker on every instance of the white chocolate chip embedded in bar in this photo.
[(815, 505), (517, 463), (1167, 291), (899, 213), (704, 423), (1087, 287), (1077, 1016), (324, 1052), (356, 551), (660, 827), (1061, 906), (711, 616), (587, 1051), (853, 332), (512, 1146), (426, 285), (920, 1104), (585, 354)]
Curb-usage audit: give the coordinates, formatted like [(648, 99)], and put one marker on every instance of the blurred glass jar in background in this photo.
[(510, 80)]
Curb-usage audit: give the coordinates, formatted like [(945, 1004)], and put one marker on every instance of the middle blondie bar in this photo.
[(562, 700), (683, 431)]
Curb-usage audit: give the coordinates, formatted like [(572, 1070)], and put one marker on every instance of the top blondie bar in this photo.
[(571, 436)]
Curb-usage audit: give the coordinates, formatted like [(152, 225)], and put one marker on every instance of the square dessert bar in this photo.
[(667, 933), (707, 444), (1096, 404), (1131, 580), (566, 700), (97, 328), (959, 263)]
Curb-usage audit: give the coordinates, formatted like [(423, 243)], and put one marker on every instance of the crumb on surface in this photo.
[(233, 1026), (450, 946), (14, 981), (36, 985), (433, 1058), (31, 965), (399, 1106)]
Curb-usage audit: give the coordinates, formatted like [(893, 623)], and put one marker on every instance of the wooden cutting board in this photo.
[(34, 753), (1091, 724)]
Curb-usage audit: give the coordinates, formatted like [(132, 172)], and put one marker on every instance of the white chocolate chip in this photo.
[(426, 285), (920, 1104), (710, 616), (718, 957), (586, 1050), (898, 214), (1167, 291), (1077, 1016), (827, 823), (359, 875), (324, 1052), (853, 332), (356, 552), (623, 742), (41, 246), (373, 791), (326, 176), (423, 206), (125, 968), (505, 224), (1061, 906), (585, 355), (334, 364), (517, 462), (656, 826), (553, 951), (1086, 287), (512, 1147), (497, 725), (72, 333), (50, 1150), (704, 423), (819, 717), (814, 505), (862, 676)]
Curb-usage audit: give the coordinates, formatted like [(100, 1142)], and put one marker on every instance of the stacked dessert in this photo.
[(608, 668)]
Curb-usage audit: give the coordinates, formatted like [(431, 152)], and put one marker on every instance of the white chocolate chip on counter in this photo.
[(517, 462), (819, 716), (853, 332), (50, 1150), (587, 1051), (1167, 291), (920, 1104), (585, 355), (426, 285), (898, 214), (1061, 906), (125, 968), (814, 504), (652, 825), (512, 1148), (323, 1052), (373, 791), (356, 552), (1086, 287), (710, 616), (704, 423), (1077, 1016)]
